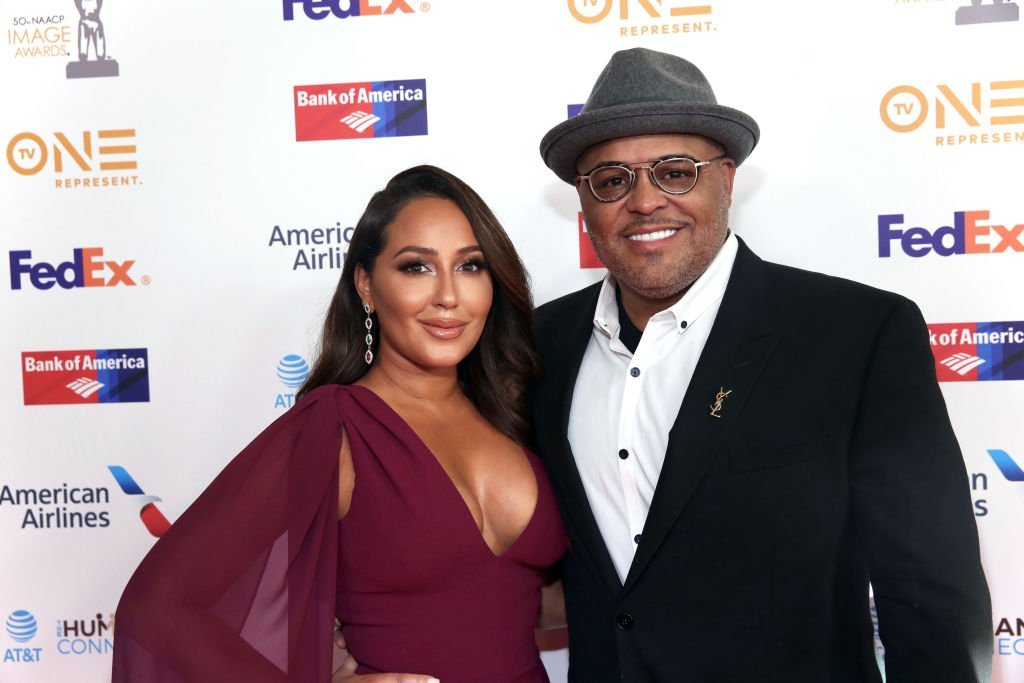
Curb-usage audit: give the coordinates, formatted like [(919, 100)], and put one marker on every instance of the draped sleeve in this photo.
[(242, 587)]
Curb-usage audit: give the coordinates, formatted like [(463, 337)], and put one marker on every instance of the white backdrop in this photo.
[(207, 165)]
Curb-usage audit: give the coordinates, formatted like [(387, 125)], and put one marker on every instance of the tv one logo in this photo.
[(594, 11), (971, 232), (906, 108), (110, 150), (343, 9)]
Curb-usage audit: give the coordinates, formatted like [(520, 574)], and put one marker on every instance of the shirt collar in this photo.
[(702, 294)]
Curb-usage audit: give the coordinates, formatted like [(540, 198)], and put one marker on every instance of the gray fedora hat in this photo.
[(644, 92)]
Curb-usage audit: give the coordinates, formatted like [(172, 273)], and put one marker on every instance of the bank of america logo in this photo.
[(359, 121), (85, 387), (365, 109), (962, 363)]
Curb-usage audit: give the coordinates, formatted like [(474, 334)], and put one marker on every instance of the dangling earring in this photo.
[(369, 337)]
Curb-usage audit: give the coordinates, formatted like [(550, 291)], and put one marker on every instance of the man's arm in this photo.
[(913, 515)]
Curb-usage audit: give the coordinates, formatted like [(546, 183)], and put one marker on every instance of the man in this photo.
[(739, 447)]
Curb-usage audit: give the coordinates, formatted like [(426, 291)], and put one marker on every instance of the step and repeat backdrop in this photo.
[(180, 181)]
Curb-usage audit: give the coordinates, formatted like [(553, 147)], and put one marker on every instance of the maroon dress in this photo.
[(245, 585), (419, 591)]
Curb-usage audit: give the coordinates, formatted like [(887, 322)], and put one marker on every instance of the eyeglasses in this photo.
[(675, 175)]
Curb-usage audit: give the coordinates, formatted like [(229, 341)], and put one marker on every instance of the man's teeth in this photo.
[(651, 236)]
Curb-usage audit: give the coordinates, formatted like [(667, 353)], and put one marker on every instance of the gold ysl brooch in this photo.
[(716, 407)]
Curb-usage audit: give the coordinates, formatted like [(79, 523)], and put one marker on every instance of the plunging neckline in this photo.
[(451, 483)]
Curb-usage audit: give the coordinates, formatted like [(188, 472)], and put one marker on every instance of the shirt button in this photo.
[(682, 325), (635, 372), (636, 539), (623, 453), (624, 620)]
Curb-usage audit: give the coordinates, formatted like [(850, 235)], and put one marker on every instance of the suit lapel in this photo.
[(553, 429), (740, 343)]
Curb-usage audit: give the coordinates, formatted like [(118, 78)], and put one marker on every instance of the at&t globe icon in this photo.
[(21, 626), (292, 371)]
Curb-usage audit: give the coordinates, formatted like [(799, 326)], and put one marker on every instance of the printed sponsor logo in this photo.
[(978, 352), (313, 248), (979, 488), (344, 9), (21, 627), (90, 160), (1009, 635), (154, 521), (965, 114), (979, 12), (40, 37), (971, 232), (85, 636), (345, 111), (85, 376), (292, 371), (634, 18), (87, 268), (1008, 467), (60, 506)]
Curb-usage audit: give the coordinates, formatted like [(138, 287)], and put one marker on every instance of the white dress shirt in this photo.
[(624, 404)]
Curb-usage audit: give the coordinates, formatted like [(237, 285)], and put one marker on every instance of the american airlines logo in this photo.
[(85, 387), (962, 363), (1007, 465), (359, 121)]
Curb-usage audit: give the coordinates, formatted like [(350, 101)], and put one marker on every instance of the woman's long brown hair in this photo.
[(497, 372)]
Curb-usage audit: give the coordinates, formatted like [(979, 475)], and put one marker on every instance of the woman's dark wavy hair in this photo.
[(497, 372)]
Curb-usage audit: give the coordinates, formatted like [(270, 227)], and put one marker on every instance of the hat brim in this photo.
[(563, 144)]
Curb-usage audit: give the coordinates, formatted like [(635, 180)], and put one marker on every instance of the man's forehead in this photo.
[(648, 147)]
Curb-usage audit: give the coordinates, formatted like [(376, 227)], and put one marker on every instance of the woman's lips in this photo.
[(443, 328)]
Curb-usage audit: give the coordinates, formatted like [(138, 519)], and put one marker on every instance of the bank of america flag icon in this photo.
[(962, 363)]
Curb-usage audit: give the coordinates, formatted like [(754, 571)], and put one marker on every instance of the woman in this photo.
[(411, 431)]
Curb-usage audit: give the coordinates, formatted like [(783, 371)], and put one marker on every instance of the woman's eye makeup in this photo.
[(474, 264), (414, 266)]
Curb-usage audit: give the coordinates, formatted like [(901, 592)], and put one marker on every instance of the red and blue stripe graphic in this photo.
[(370, 109), (978, 352), (152, 518), (85, 376)]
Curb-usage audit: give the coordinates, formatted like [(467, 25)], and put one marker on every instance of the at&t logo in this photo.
[(21, 627), (292, 371)]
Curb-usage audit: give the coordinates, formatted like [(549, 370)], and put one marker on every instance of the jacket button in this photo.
[(624, 621)]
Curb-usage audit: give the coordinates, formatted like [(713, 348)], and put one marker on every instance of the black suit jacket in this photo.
[(833, 462)]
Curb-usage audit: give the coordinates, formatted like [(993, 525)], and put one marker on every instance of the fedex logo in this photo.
[(969, 234), (87, 268), (319, 9)]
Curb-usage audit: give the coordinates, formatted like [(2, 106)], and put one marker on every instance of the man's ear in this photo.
[(728, 168)]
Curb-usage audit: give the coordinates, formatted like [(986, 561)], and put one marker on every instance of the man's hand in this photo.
[(345, 668)]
